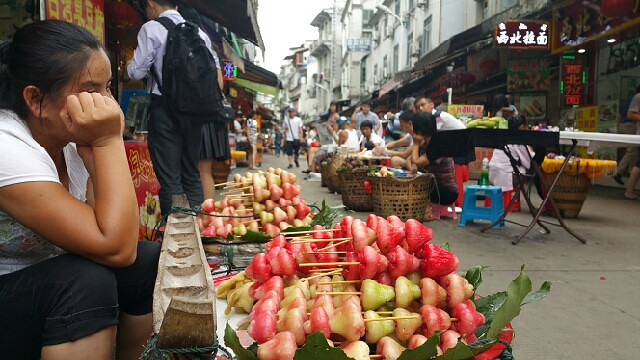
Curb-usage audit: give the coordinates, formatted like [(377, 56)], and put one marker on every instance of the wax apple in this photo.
[(281, 262), (405, 328), (434, 319), (356, 350), (437, 262), (416, 235), (468, 317), (259, 268), (293, 321), (458, 289), (375, 294), (362, 235), (406, 292), (318, 321), (371, 262), (263, 327), (282, 347), (376, 330), (432, 293), (387, 236), (401, 262), (347, 321), (389, 348)]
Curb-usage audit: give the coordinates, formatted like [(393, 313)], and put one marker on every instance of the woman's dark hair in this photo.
[(46, 54), (333, 103), (366, 124), (515, 121), (499, 102), (424, 124), (406, 115)]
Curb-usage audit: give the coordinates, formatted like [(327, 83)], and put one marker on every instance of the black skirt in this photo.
[(215, 142)]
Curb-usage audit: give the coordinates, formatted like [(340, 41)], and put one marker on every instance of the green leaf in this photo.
[(488, 305), (537, 295), (232, 342), (328, 214), (296, 228), (481, 346), (446, 246), (459, 352), (474, 276), (517, 291), (424, 351), (317, 348), (255, 236)]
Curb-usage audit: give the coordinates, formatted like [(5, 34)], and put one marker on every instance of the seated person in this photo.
[(368, 136), (74, 279), (446, 191), (346, 136), (314, 146), (500, 169), (402, 159)]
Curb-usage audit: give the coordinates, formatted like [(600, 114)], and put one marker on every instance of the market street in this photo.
[(591, 311)]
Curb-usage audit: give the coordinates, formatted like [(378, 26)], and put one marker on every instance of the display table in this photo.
[(146, 185), (595, 141)]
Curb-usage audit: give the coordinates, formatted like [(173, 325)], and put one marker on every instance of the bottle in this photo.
[(484, 174)]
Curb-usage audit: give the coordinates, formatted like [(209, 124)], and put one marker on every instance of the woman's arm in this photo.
[(416, 158)]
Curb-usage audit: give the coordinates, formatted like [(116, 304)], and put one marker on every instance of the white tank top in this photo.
[(352, 140)]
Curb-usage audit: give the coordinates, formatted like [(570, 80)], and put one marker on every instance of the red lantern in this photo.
[(616, 8)]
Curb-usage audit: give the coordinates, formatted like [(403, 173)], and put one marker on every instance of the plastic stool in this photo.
[(471, 211), (438, 211), (506, 198)]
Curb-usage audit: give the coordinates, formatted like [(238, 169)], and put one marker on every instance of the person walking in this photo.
[(174, 149), (277, 140), (626, 126), (292, 135), (252, 135), (633, 114)]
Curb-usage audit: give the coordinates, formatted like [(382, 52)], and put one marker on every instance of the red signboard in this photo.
[(572, 83), (87, 13), (578, 21), (515, 34), (528, 74), (146, 185)]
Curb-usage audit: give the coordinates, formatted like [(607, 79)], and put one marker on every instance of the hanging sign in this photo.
[(359, 45), (229, 71), (528, 74), (88, 14), (515, 34), (572, 83)]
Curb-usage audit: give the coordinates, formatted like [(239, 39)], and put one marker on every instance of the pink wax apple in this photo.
[(282, 347)]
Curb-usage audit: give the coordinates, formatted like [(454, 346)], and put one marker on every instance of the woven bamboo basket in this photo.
[(220, 171), (569, 193), (405, 197), (354, 196), (324, 173), (333, 183)]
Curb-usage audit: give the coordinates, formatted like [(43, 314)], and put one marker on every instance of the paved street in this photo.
[(591, 312)]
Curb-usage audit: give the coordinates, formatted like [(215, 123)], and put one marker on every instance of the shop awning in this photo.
[(257, 74), (239, 16), (261, 88)]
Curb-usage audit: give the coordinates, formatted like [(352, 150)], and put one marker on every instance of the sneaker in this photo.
[(297, 164), (618, 179), (290, 166), (306, 171)]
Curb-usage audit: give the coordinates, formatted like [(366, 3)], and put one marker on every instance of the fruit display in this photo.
[(486, 123), (379, 285), (267, 202)]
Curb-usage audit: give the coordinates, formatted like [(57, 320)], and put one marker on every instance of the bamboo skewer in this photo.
[(334, 245), (312, 240), (338, 282), (319, 270), (333, 272), (394, 318), (309, 231), (375, 356), (325, 252), (337, 263), (224, 183), (338, 293), (248, 221)]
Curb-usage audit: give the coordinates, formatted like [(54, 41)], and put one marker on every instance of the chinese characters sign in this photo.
[(359, 45), (572, 85), (576, 22), (229, 71), (522, 35), (528, 74), (466, 111), (88, 14), (586, 118)]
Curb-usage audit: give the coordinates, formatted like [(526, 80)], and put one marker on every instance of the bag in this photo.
[(189, 76)]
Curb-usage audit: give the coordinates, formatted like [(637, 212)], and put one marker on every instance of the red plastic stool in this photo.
[(438, 211), (506, 198), (462, 174)]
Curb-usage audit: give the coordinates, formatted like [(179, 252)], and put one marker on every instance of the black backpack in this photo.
[(189, 76)]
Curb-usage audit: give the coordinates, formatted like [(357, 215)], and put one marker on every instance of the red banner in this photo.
[(579, 21), (146, 185), (86, 13)]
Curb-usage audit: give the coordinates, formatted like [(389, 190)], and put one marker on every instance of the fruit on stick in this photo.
[(323, 235), (318, 321), (458, 289), (371, 262), (362, 235), (221, 204), (282, 347), (351, 272), (302, 210), (274, 283), (216, 221), (468, 317), (396, 222), (281, 262), (284, 225), (449, 339), (210, 231), (405, 328), (260, 194), (434, 319), (401, 262), (208, 206), (325, 302), (259, 268), (384, 278), (271, 230), (328, 256), (278, 241), (437, 262), (376, 330), (375, 294), (291, 213), (357, 350), (299, 284), (270, 205), (299, 223), (304, 253), (239, 230), (263, 327), (406, 292), (266, 217), (387, 236), (279, 215), (298, 302), (389, 348), (293, 321), (284, 202), (235, 203), (253, 226), (345, 225), (416, 235), (258, 207), (432, 293), (264, 305), (273, 179), (276, 192), (290, 190), (287, 177), (416, 340), (348, 322), (224, 231), (259, 179)]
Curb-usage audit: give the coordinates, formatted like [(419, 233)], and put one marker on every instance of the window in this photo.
[(385, 67), (386, 26), (396, 58), (485, 9), (396, 7), (375, 73), (367, 14), (426, 37), (410, 7), (363, 72), (409, 48)]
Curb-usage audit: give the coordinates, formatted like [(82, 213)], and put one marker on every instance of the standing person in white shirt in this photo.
[(174, 152), (292, 134), (362, 113)]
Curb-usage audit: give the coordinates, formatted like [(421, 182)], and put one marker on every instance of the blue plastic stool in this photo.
[(471, 211)]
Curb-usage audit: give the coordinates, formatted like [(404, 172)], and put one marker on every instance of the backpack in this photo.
[(189, 76)]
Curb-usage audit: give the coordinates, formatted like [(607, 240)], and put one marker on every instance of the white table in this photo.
[(596, 141)]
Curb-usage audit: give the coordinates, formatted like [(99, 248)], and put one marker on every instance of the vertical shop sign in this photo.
[(88, 14), (586, 118), (572, 83), (229, 71), (528, 74)]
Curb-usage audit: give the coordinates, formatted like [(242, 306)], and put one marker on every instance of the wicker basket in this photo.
[(569, 193), (324, 173), (405, 197), (354, 196), (220, 171), (333, 183)]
